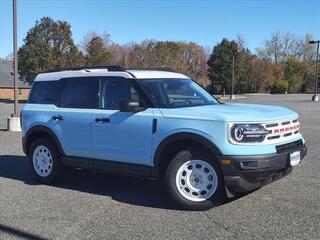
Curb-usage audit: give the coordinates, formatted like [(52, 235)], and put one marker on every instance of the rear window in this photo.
[(45, 92)]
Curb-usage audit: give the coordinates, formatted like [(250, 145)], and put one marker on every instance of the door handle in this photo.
[(58, 117), (102, 120)]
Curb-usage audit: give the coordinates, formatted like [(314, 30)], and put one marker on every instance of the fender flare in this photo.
[(183, 136), (41, 129)]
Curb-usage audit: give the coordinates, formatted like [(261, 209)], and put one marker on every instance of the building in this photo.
[(6, 83)]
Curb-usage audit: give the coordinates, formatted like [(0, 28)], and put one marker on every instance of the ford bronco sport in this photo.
[(156, 124)]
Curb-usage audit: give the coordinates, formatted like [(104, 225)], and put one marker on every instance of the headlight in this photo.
[(248, 133)]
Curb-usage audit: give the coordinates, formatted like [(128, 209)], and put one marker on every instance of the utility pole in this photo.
[(15, 64), (315, 97), (233, 52), (232, 83), (14, 120)]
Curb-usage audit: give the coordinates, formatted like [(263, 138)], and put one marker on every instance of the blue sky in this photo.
[(204, 22)]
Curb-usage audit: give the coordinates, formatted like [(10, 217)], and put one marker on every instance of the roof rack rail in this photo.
[(165, 69), (110, 68)]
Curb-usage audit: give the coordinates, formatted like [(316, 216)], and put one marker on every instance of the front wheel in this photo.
[(194, 180)]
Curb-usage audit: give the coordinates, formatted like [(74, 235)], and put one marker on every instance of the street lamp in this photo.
[(315, 97)]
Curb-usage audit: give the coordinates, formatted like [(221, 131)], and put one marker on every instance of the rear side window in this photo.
[(46, 92), (80, 93)]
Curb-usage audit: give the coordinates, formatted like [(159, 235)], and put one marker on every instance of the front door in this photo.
[(121, 136)]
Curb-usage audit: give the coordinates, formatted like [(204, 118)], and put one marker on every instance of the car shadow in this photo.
[(125, 189), (143, 192)]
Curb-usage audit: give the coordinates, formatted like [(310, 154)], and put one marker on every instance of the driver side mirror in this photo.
[(130, 106)]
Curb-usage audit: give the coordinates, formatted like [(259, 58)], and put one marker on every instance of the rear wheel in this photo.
[(45, 161), (194, 180)]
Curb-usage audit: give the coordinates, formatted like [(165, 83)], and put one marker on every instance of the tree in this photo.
[(296, 73), (285, 62), (272, 48), (220, 64), (220, 67), (119, 54), (309, 50), (194, 59), (283, 45), (48, 44), (279, 84), (261, 71), (184, 57), (97, 53)]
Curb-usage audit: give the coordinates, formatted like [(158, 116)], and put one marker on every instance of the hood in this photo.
[(233, 112)]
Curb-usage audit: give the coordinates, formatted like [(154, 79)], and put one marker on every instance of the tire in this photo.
[(45, 161), (192, 172)]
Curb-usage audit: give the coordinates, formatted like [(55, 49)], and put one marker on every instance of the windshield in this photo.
[(173, 93)]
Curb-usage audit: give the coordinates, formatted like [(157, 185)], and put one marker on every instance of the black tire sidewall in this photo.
[(179, 159), (57, 166)]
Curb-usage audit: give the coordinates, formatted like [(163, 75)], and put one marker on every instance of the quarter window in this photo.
[(45, 92), (80, 93)]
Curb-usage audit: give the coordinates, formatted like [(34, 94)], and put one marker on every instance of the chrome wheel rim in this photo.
[(42, 161), (196, 180)]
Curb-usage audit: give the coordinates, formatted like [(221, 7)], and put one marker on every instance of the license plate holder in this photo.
[(294, 158)]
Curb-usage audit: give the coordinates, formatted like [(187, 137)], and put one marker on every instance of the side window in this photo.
[(80, 93), (114, 90), (45, 92)]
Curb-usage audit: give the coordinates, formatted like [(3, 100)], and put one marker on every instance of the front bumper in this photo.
[(247, 173)]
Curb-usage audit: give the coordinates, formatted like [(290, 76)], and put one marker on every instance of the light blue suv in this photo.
[(156, 124)]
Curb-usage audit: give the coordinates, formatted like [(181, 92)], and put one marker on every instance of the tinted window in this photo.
[(80, 93), (45, 92), (114, 90)]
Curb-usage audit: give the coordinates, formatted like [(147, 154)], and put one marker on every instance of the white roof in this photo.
[(53, 76), (155, 74)]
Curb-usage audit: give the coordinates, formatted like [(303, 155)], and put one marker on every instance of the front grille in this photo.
[(271, 125), (289, 146), (282, 130)]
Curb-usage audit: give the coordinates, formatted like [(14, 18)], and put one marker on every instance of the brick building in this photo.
[(6, 82)]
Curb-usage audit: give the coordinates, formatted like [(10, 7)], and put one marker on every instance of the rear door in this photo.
[(74, 120), (121, 136)]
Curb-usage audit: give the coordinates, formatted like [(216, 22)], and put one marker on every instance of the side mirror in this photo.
[(130, 106)]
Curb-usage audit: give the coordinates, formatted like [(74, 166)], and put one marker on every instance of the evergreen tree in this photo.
[(97, 53), (220, 64), (48, 44)]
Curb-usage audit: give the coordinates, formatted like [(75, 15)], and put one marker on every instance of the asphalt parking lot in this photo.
[(95, 206)]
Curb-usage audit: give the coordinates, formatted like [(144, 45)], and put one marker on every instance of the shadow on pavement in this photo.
[(143, 192), (19, 233), (136, 191)]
